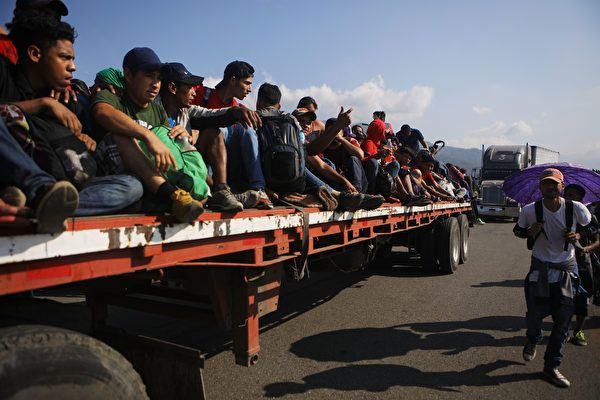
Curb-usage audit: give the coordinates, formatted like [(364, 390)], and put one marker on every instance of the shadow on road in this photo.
[(380, 343), (507, 283), (505, 323), (381, 377)]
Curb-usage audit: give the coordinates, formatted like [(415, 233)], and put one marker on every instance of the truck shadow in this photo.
[(381, 377)]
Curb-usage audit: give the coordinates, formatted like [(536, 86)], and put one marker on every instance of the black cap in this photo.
[(57, 4), (142, 58), (178, 73)]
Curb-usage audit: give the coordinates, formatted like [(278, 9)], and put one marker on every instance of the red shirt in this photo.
[(214, 101), (7, 49), (428, 177)]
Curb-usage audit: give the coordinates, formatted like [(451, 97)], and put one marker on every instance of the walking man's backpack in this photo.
[(281, 152)]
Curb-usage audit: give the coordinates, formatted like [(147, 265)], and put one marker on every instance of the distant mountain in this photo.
[(464, 158)]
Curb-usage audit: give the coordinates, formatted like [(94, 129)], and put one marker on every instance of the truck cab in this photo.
[(498, 163)]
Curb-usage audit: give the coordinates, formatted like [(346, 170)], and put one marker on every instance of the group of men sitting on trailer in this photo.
[(151, 137)]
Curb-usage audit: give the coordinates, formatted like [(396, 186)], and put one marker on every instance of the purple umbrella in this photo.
[(523, 186)]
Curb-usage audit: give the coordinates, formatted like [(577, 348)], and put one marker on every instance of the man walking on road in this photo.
[(550, 284)]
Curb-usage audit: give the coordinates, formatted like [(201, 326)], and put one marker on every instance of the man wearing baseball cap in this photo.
[(177, 95), (549, 287), (130, 118)]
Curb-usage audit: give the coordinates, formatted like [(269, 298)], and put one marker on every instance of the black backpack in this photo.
[(539, 213), (281, 152)]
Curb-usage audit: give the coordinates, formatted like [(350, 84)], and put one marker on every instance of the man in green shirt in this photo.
[(131, 118)]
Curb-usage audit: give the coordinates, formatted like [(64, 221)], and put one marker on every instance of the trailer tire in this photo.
[(448, 244), (427, 249), (463, 224), (44, 362)]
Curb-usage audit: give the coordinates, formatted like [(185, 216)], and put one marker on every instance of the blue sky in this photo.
[(468, 72)]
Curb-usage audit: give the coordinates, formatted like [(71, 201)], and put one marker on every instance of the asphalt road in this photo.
[(392, 333), (389, 332)]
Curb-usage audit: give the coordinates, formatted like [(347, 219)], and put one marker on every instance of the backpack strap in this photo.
[(207, 92), (539, 216), (300, 266), (568, 218), (539, 211)]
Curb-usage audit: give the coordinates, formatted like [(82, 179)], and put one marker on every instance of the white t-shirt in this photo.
[(551, 249)]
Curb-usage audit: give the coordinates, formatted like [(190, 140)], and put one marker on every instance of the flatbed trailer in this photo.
[(224, 270)]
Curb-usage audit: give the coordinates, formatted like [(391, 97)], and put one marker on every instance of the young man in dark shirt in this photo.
[(45, 63), (411, 138)]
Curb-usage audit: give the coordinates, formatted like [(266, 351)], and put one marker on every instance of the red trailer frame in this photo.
[(224, 269)]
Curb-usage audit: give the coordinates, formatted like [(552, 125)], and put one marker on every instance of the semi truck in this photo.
[(497, 163), (223, 271)]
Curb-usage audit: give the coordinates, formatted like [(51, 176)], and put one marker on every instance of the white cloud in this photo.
[(519, 128), (211, 81), (481, 110), (497, 133), (400, 106)]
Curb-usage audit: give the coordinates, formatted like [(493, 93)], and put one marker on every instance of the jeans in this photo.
[(313, 182), (372, 166), (108, 195), (355, 173), (244, 169), (18, 168), (561, 310)]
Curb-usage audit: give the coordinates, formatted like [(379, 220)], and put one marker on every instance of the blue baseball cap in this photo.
[(142, 58), (178, 73)]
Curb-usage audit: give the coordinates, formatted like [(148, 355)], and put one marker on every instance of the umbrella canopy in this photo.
[(523, 186)]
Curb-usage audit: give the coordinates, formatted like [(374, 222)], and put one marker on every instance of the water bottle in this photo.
[(184, 144)]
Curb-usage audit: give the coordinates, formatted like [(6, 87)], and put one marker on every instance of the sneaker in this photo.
[(553, 375), (349, 201), (224, 200), (249, 198), (13, 196), (417, 201), (529, 351), (185, 207), (53, 205), (579, 339), (479, 221), (264, 202), (371, 202)]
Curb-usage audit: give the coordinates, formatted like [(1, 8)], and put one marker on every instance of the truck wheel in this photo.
[(448, 244), (427, 249), (463, 225), (44, 362)]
